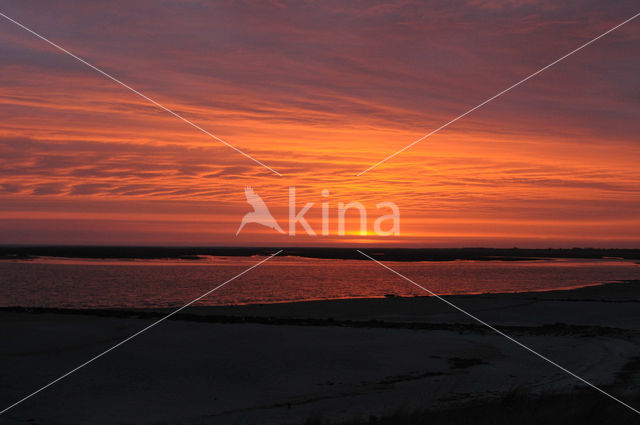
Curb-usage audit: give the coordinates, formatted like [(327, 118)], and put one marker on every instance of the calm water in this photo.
[(159, 283)]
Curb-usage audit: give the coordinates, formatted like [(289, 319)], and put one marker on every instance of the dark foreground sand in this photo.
[(284, 363)]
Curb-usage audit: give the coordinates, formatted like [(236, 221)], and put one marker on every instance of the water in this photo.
[(72, 283)]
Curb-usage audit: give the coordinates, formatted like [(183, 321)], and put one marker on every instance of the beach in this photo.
[(287, 363)]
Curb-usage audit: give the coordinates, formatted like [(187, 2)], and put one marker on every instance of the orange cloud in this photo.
[(320, 92)]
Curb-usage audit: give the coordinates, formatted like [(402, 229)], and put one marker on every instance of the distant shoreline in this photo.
[(388, 254)]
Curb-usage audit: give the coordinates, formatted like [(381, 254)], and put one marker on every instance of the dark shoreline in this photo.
[(462, 328), (402, 345), (388, 254), (339, 312)]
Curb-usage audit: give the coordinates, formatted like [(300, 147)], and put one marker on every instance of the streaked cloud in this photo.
[(320, 91)]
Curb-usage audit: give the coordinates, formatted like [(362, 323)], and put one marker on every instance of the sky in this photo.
[(320, 91)]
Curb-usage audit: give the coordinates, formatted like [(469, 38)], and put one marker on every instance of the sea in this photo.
[(80, 283)]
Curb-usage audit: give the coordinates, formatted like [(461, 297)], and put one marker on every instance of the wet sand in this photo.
[(284, 363)]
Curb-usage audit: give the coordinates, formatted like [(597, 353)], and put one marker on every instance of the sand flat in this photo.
[(195, 372)]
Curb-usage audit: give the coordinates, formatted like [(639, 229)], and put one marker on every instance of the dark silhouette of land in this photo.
[(401, 360), (389, 254)]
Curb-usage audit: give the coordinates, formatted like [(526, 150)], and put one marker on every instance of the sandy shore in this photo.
[(284, 363)]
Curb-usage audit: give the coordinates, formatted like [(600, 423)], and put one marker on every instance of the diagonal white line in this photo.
[(499, 94), (501, 333), (139, 94), (136, 334)]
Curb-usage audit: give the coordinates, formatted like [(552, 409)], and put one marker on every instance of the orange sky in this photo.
[(319, 92)]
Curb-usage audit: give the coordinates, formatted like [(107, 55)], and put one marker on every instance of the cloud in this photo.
[(320, 91), (49, 189)]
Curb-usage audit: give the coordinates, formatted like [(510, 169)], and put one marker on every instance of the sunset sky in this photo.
[(320, 91)]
